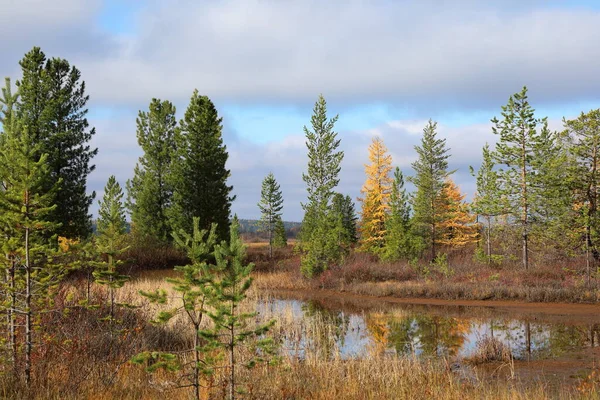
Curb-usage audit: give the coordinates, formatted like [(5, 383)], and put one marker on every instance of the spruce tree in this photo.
[(270, 205), (110, 242), (319, 235), (199, 175), (400, 240), (279, 235), (149, 191), (431, 171), (515, 152), (343, 207), (53, 108), (375, 203)]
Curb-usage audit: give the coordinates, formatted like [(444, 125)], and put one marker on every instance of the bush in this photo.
[(146, 253)]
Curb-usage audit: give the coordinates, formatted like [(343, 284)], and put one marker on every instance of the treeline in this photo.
[(537, 193)]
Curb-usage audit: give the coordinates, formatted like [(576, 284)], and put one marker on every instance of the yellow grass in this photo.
[(317, 376)]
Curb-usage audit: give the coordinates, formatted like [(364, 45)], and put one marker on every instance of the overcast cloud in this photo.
[(425, 58)]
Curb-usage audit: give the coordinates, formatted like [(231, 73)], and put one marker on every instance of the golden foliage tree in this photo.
[(376, 194), (458, 227)]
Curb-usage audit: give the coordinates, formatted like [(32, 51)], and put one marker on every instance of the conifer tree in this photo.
[(431, 171), (488, 201), (8, 238), (375, 203), (279, 235), (515, 151), (150, 191), (319, 243), (343, 207), (110, 241), (270, 205), (231, 326), (25, 205), (199, 175), (194, 289), (400, 240), (458, 225), (53, 108), (584, 180)]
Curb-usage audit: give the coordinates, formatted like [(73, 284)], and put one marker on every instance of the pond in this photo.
[(540, 344)]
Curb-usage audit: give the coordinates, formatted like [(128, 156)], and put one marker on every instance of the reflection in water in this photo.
[(328, 333)]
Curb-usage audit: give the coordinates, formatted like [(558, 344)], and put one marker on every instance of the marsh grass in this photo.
[(97, 367)]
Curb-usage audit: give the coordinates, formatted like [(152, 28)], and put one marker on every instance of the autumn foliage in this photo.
[(376, 194), (458, 226)]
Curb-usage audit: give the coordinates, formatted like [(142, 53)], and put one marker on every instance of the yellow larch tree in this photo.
[(376, 194), (458, 227)]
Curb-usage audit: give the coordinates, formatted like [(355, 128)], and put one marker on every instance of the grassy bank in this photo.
[(461, 279)]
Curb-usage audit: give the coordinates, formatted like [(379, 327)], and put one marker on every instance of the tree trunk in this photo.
[(587, 254), (196, 372), (11, 314), (28, 322), (271, 240), (111, 291), (489, 239), (231, 354)]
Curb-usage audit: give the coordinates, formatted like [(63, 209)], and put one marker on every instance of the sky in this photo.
[(385, 67)]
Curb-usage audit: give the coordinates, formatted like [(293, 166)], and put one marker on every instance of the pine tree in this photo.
[(584, 181), (431, 171), (270, 205), (149, 191), (53, 108), (319, 243), (279, 234), (375, 203), (458, 226), (194, 289), (110, 242), (400, 240), (343, 208), (8, 238), (25, 205), (488, 202), (199, 175), (230, 323), (515, 151)]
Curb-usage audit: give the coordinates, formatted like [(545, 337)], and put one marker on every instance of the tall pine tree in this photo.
[(431, 171), (149, 191), (25, 205), (53, 108), (199, 175), (515, 152), (319, 236)]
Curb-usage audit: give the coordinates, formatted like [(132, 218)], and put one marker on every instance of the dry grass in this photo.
[(490, 349), (83, 362)]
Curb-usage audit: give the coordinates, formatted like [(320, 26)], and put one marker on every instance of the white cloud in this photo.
[(463, 54)]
